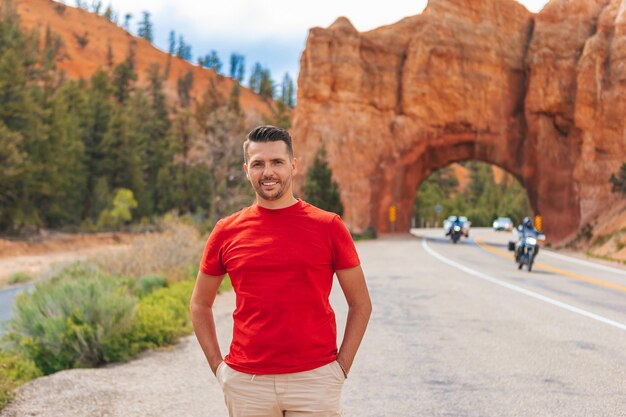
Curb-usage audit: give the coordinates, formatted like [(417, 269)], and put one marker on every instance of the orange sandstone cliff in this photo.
[(540, 95)]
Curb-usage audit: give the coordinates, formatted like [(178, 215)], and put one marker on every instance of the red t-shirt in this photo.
[(281, 263)]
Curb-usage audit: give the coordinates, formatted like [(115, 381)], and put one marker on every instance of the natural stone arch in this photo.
[(469, 79), (404, 187)]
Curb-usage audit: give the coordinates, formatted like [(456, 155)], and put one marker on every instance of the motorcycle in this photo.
[(526, 251), (455, 233)]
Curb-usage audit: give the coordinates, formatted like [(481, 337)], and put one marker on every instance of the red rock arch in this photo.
[(469, 79)]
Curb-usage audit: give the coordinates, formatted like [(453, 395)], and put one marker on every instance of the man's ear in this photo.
[(294, 166), (245, 169)]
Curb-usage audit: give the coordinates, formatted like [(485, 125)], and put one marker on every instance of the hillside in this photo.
[(72, 24)]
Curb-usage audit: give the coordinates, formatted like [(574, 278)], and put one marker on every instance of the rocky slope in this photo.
[(74, 25)]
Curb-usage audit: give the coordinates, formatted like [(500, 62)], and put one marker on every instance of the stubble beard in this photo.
[(276, 195)]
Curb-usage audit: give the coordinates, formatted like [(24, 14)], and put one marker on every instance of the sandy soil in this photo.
[(37, 256)]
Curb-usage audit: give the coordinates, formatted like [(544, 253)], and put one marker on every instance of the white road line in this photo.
[(582, 262), (520, 289)]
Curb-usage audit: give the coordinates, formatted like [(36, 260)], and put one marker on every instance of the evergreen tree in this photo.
[(183, 50), (146, 28), (96, 6), (287, 91), (237, 67), (211, 61), (158, 133), (280, 116), (233, 98), (124, 77), (123, 148), (108, 13), (127, 18), (12, 157), (98, 112), (319, 187), (172, 43), (184, 89), (266, 85), (254, 83), (618, 180), (62, 169)]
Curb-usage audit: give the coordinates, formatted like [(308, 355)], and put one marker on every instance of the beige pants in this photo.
[(314, 393)]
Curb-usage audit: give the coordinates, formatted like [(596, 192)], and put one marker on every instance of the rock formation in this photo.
[(540, 95)]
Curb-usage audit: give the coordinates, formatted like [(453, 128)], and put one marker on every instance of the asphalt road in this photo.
[(456, 331)]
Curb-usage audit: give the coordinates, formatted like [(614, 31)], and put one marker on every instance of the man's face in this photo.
[(270, 170)]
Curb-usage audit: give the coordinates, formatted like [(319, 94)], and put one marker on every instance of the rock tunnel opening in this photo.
[(480, 191)]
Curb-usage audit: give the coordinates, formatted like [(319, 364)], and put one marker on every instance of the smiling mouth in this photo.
[(269, 183)]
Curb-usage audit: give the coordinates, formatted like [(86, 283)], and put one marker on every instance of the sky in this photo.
[(272, 33)]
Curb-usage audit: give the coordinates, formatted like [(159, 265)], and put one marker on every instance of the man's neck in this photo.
[(283, 202)]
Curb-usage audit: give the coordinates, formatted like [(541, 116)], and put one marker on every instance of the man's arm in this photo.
[(355, 290), (201, 308)]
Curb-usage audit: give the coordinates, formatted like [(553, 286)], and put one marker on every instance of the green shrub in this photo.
[(14, 371), (162, 317), (150, 283), (19, 278), (77, 319)]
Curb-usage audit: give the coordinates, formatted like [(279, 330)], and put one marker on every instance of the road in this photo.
[(456, 331)]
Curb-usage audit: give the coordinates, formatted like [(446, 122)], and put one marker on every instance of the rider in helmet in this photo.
[(456, 221), (524, 230)]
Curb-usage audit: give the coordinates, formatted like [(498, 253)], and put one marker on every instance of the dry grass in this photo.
[(173, 252)]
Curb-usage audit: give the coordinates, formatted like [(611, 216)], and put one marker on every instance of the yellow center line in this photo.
[(574, 275)]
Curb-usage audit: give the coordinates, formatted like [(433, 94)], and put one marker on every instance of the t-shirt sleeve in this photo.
[(344, 252), (211, 262)]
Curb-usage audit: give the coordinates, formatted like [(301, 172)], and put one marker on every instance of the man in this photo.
[(280, 254), (524, 230)]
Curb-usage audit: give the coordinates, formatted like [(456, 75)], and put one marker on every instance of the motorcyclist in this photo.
[(525, 230), (456, 221)]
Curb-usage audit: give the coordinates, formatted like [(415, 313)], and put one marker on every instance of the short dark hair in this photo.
[(267, 133)]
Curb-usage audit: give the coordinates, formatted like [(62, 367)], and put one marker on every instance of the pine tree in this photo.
[(124, 77), (108, 13), (146, 28), (183, 50), (12, 157), (254, 83), (319, 187), (233, 98), (184, 89), (63, 170), (127, 18), (237, 67), (618, 180), (98, 113), (96, 6), (158, 130), (287, 91), (211, 61), (266, 85)]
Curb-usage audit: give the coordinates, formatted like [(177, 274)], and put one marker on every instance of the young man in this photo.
[(281, 254)]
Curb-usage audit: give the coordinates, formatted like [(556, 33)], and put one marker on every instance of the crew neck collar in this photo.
[(282, 210)]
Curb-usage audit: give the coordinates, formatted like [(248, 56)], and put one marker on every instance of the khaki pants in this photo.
[(314, 393)]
